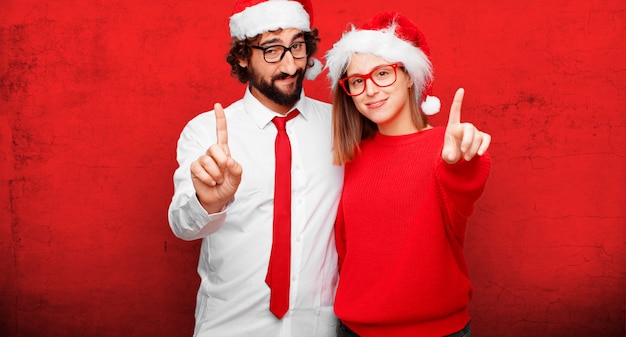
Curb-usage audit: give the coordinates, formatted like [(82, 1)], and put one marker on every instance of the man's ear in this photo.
[(243, 63)]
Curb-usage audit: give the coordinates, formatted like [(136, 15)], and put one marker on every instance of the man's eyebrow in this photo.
[(277, 40), (271, 41)]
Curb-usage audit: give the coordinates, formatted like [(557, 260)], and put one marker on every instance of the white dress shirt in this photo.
[(233, 299)]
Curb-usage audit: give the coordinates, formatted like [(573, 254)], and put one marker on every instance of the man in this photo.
[(225, 186)]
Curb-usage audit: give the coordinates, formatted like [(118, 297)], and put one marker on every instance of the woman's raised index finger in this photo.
[(220, 124), (455, 109)]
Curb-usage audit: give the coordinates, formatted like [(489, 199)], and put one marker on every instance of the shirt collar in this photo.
[(262, 116)]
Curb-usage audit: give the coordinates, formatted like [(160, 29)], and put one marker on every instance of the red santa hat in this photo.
[(395, 38), (253, 17)]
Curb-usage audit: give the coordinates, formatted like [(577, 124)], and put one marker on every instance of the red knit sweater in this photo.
[(400, 232)]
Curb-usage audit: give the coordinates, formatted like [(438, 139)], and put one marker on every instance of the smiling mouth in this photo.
[(287, 79), (377, 104)]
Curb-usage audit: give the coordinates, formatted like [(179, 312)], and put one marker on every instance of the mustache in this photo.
[(283, 76)]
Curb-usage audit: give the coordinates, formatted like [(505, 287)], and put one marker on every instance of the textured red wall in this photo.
[(95, 93)]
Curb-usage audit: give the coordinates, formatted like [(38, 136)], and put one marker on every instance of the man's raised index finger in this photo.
[(220, 124)]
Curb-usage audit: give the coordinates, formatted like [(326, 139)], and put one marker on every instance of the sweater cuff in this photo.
[(464, 182)]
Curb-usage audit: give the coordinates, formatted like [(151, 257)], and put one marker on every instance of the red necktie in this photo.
[(278, 271)]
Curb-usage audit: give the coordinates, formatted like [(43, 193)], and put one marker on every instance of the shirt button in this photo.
[(299, 238)]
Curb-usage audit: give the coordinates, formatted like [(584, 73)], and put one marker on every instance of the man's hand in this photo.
[(215, 175)]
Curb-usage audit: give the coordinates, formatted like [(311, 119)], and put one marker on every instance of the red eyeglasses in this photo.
[(382, 76)]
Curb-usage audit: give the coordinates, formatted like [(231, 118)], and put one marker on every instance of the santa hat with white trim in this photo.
[(395, 38), (253, 17)]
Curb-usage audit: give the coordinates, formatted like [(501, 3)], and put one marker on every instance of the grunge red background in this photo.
[(95, 93)]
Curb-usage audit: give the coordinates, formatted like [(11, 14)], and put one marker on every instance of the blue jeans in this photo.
[(344, 331)]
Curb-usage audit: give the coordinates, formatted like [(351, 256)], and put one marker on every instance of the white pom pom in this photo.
[(316, 69), (431, 105)]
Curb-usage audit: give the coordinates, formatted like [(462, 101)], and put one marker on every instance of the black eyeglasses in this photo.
[(382, 76), (275, 53)]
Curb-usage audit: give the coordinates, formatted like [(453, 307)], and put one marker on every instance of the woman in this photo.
[(409, 187)]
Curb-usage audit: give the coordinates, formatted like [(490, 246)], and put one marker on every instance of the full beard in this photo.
[(269, 90)]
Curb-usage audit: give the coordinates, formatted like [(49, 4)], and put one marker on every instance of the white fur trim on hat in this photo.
[(268, 16)]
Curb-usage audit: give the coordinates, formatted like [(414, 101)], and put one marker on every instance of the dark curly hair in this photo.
[(240, 50)]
